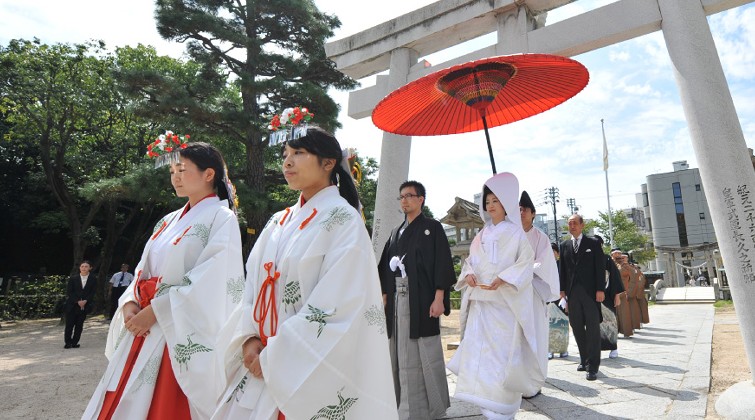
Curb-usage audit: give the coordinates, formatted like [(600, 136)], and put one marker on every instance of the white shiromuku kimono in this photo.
[(546, 285), (198, 260), (497, 357), (329, 358)]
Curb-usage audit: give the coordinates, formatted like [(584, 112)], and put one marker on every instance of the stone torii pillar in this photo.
[(725, 168), (397, 150)]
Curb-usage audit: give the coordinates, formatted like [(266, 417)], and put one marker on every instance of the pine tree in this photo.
[(255, 59)]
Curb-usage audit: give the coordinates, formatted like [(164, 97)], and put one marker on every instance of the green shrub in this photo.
[(35, 298)]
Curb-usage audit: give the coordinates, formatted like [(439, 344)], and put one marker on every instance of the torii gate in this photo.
[(715, 131)]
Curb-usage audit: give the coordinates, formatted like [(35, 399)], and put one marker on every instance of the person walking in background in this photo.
[(631, 283), (624, 310), (118, 284), (614, 293), (79, 302), (416, 275), (545, 283), (558, 321), (498, 357), (642, 300), (582, 275), (161, 345)]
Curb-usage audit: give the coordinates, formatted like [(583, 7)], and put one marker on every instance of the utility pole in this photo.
[(551, 196), (572, 204)]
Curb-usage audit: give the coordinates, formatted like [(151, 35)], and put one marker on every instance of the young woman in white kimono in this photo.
[(162, 340), (309, 341), (497, 357)]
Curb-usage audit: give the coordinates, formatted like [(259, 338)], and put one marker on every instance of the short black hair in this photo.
[(324, 145), (418, 188), (86, 261), (600, 239), (554, 246), (205, 156)]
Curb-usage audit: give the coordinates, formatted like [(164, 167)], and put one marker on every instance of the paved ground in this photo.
[(662, 372)]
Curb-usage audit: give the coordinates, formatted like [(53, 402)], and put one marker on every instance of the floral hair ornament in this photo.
[(289, 125), (351, 166), (233, 199), (165, 148)]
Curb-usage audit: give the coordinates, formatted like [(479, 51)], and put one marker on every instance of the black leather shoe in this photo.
[(67, 346), (591, 376), (76, 346), (581, 368)]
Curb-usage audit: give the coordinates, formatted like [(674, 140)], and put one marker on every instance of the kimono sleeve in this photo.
[(444, 266), (192, 313), (383, 268), (240, 326), (615, 285), (519, 274), (335, 347), (467, 266), (546, 282)]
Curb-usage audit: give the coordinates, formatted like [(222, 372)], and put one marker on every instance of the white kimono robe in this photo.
[(497, 357), (546, 284), (329, 358), (198, 258)]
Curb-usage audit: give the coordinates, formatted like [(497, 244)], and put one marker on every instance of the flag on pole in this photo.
[(605, 150)]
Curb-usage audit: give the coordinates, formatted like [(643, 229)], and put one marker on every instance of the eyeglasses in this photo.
[(406, 196)]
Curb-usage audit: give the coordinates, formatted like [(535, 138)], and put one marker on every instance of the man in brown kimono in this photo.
[(623, 311)]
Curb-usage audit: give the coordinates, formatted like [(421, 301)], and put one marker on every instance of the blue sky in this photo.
[(631, 87)]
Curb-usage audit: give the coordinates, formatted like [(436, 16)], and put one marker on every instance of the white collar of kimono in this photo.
[(324, 195), (505, 186), (203, 203)]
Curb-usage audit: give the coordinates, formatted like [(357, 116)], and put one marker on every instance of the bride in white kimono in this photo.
[(497, 356), (309, 341), (161, 344)]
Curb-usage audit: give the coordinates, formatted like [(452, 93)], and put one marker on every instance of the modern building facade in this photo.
[(678, 219)]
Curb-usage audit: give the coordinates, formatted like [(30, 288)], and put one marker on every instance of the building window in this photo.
[(702, 216), (645, 201), (697, 187), (679, 207)]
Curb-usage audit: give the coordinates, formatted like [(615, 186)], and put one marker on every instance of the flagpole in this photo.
[(608, 194)]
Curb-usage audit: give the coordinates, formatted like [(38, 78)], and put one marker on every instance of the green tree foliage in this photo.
[(59, 101), (76, 148), (254, 58), (626, 235)]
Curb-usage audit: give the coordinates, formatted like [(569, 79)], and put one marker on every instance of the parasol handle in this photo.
[(487, 137)]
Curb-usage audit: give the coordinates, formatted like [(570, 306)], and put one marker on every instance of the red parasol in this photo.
[(480, 94)]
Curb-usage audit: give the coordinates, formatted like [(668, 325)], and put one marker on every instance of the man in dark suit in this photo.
[(79, 301), (582, 275)]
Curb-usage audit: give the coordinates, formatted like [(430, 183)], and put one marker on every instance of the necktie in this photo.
[(576, 245), (120, 280)]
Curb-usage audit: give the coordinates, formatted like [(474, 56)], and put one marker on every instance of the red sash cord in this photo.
[(146, 289), (265, 304)]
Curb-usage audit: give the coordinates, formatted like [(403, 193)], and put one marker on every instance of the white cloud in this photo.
[(619, 56)]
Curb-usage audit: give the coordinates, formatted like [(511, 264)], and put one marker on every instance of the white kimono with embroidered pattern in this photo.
[(329, 358), (546, 286), (198, 258), (497, 357)]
